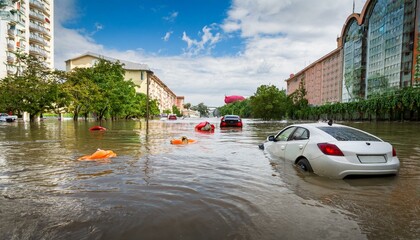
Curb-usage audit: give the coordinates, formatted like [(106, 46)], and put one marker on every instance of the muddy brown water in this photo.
[(221, 187)]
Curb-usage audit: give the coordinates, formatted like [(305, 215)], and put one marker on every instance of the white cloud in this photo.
[(167, 36), (172, 16), (280, 37), (207, 42)]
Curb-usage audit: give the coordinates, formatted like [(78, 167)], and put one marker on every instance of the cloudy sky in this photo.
[(204, 49)]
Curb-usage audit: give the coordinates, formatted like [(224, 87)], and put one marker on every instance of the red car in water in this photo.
[(231, 121), (172, 117)]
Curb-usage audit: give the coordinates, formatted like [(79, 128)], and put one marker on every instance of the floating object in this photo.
[(183, 140), (233, 98), (97, 128), (205, 127), (99, 154)]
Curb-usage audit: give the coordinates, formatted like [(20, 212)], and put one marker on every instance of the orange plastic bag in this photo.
[(99, 154)]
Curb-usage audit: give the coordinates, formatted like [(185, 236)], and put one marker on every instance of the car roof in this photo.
[(318, 124), (231, 116)]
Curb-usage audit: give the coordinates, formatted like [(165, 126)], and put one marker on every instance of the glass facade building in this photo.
[(378, 48), (353, 69)]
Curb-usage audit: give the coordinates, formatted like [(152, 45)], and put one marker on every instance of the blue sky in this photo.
[(204, 49)]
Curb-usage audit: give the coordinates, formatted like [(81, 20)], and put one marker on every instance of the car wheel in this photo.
[(304, 165)]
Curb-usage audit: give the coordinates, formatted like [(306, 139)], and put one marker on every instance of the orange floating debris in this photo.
[(183, 140), (99, 154)]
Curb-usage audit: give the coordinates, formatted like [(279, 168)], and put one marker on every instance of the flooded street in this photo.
[(221, 187)]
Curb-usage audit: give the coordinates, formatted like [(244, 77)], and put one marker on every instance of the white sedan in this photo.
[(333, 150)]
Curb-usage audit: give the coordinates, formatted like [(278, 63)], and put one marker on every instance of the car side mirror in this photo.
[(271, 138)]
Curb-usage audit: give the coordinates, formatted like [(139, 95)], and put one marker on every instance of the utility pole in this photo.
[(149, 75)]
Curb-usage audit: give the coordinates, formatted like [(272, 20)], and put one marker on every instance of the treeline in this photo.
[(271, 103), (100, 91)]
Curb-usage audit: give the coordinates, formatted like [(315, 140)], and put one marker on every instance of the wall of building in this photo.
[(82, 62), (322, 79), (331, 78), (136, 77)]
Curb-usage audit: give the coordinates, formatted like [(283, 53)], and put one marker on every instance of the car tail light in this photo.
[(330, 149), (394, 153), (223, 124), (239, 124)]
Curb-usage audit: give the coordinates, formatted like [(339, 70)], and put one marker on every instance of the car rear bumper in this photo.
[(336, 167)]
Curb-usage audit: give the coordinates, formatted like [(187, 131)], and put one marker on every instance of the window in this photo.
[(284, 135), (300, 134), (348, 134)]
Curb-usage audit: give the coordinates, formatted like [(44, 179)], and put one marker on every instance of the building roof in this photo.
[(293, 76), (163, 85), (127, 64)]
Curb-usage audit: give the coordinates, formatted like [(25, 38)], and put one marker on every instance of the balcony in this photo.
[(37, 4), (10, 59), (38, 16), (37, 51), (5, 3), (37, 39), (38, 28), (10, 47), (11, 33)]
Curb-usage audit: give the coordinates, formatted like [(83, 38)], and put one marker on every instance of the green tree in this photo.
[(202, 109), (33, 89), (187, 106), (175, 110), (299, 101), (241, 108), (269, 103), (82, 90)]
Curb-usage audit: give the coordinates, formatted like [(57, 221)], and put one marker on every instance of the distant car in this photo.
[(172, 117), (333, 150), (4, 117), (231, 121)]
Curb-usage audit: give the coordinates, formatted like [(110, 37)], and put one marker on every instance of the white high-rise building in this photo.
[(26, 26)]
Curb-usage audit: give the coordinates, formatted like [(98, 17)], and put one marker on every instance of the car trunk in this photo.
[(367, 152)]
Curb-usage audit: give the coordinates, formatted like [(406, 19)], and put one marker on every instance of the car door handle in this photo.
[(283, 147), (300, 146)]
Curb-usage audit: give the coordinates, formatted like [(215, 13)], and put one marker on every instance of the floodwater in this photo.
[(221, 187)]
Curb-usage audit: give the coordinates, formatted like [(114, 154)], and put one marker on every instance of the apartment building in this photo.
[(322, 79), (377, 51), (159, 91), (180, 103), (136, 72), (26, 26)]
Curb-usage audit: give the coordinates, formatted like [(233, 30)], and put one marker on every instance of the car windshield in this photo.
[(348, 134)]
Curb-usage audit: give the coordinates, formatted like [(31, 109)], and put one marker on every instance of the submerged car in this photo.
[(4, 117), (172, 117), (231, 121), (333, 150)]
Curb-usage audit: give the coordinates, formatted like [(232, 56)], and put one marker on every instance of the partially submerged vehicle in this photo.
[(4, 117), (333, 150)]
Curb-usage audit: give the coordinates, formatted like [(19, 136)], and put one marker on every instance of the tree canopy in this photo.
[(269, 103), (100, 90)]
